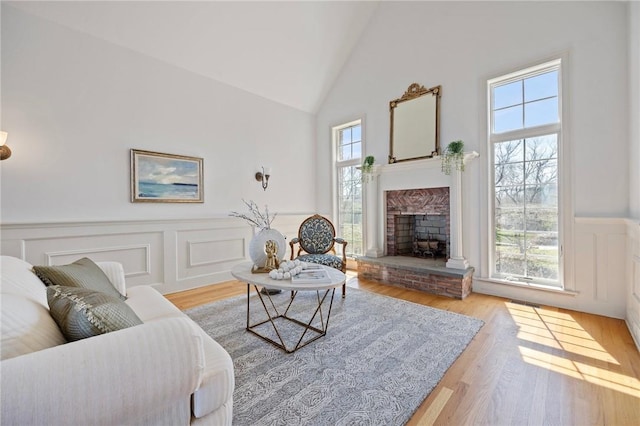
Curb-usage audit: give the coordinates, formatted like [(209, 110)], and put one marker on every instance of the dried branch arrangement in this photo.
[(256, 217)]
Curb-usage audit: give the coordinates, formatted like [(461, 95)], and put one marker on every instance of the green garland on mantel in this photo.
[(453, 155)]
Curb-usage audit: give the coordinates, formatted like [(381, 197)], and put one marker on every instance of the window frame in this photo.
[(564, 205), (339, 164)]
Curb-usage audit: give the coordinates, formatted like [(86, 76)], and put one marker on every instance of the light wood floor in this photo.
[(526, 366)]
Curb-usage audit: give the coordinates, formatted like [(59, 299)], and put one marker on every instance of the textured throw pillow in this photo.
[(81, 273), (82, 313)]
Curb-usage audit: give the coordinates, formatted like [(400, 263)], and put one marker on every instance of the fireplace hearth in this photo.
[(428, 275)]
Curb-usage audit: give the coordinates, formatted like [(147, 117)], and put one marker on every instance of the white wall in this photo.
[(633, 270), (460, 45), (75, 105), (634, 109)]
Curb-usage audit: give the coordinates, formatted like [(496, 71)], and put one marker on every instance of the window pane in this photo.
[(346, 212), (545, 267), (345, 136), (541, 112), (345, 152), (509, 219), (346, 173), (509, 253), (541, 86), (357, 150), (507, 95), (542, 195), (541, 172), (357, 218), (508, 152), (509, 174), (356, 135), (542, 147), (510, 196), (542, 255), (542, 219), (507, 119), (350, 208)]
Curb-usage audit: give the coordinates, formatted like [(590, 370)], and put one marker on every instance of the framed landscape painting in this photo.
[(165, 178)]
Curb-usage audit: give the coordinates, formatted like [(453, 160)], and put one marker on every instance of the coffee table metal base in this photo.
[(273, 315)]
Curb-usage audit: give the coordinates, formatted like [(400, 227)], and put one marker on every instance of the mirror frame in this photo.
[(415, 90)]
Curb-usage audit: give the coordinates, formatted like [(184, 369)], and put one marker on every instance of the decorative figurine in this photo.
[(271, 248)]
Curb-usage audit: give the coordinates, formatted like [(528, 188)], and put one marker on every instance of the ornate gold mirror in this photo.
[(415, 124)]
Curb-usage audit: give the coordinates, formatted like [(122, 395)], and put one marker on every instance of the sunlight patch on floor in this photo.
[(578, 370), (581, 352), (556, 330)]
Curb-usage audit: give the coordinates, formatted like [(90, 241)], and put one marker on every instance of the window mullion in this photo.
[(524, 133)]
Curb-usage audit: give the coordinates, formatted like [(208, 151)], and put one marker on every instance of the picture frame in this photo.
[(158, 177)]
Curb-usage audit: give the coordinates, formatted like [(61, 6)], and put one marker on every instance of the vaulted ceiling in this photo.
[(289, 52)]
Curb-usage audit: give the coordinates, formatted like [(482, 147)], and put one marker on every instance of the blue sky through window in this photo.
[(526, 103), (350, 143)]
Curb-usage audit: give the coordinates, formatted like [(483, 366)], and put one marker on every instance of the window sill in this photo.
[(539, 287)]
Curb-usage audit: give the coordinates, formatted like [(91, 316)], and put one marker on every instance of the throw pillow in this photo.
[(81, 273), (82, 313)]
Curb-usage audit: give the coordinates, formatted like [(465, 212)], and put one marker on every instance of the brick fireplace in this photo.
[(409, 203), (418, 222)]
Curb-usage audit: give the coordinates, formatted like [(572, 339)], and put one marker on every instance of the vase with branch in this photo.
[(453, 156), (265, 239)]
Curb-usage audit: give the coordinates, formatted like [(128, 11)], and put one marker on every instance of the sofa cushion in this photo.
[(18, 278), (82, 313), (26, 324), (150, 305), (81, 273), (26, 327)]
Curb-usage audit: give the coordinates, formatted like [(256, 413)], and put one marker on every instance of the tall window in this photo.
[(524, 143), (348, 152)]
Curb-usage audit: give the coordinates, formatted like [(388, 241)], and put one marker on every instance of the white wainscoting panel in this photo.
[(600, 251), (172, 255)]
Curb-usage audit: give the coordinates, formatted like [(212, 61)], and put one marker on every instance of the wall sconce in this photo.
[(5, 152), (263, 177)]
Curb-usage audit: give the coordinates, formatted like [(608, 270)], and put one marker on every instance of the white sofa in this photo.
[(166, 371)]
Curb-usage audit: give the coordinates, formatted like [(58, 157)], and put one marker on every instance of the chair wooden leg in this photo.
[(344, 290)]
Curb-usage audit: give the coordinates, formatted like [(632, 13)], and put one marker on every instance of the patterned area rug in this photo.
[(380, 359)]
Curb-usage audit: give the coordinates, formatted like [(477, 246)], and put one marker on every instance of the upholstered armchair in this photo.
[(317, 238)]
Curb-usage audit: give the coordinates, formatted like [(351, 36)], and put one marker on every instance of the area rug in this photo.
[(380, 359)]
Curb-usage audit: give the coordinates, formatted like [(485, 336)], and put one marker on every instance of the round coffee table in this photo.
[(242, 272)]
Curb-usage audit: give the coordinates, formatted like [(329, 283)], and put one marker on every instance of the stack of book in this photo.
[(313, 274)]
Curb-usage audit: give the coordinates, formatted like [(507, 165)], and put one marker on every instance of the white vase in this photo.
[(256, 246)]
